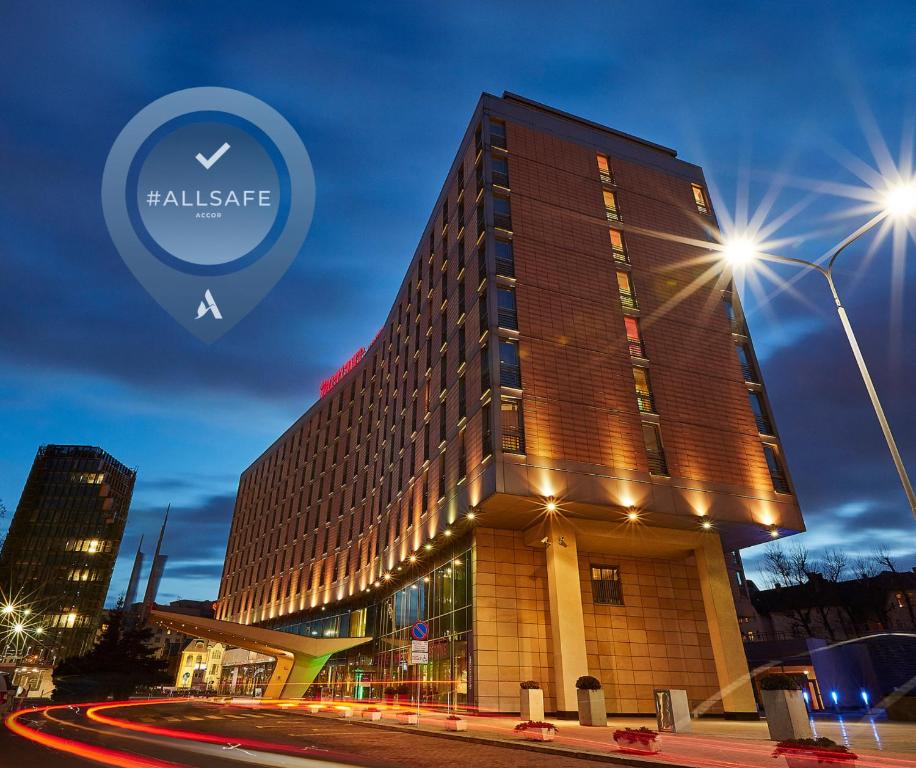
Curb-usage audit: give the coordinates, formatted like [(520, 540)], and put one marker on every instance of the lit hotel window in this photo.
[(618, 247), (761, 416), (505, 258), (634, 338), (610, 205), (625, 288), (604, 170), (699, 197), (513, 425), (606, 585), (644, 396)]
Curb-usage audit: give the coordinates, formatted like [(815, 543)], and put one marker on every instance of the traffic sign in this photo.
[(419, 631), (419, 651)]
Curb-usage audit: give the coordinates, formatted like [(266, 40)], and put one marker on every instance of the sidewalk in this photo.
[(713, 743)]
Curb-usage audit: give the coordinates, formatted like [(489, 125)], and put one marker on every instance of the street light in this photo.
[(899, 202)]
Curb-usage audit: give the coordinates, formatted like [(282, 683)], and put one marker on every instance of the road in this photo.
[(211, 735)]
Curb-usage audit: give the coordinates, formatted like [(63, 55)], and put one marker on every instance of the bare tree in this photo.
[(787, 567), (883, 557)]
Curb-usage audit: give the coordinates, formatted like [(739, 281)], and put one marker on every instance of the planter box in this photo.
[(591, 708), (787, 715), (539, 734), (408, 718), (636, 747), (803, 758), (456, 725), (314, 708), (366, 715), (345, 712), (531, 704)]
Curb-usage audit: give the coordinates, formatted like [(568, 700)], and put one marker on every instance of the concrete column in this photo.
[(567, 629), (724, 633)]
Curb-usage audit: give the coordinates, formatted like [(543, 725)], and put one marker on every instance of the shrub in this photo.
[(535, 725), (822, 743), (588, 683), (642, 735), (403, 689), (816, 748), (777, 681), (530, 685)]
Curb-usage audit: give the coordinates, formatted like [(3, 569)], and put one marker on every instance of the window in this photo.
[(604, 170), (484, 370), (777, 473), (500, 171), (498, 134), (462, 354), (481, 263), (634, 337), (761, 415), (644, 397), (654, 451), (619, 247), (483, 315), (502, 213), (606, 585), (462, 398), (699, 198), (610, 205), (513, 425), (506, 313), (733, 319), (462, 458), (625, 288), (510, 374), (747, 364), (505, 258)]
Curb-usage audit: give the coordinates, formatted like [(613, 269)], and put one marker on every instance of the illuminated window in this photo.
[(610, 205), (654, 451), (625, 288), (513, 425), (606, 585), (761, 415), (505, 258), (634, 338), (699, 197), (777, 473), (644, 397), (619, 247), (70, 620), (604, 170)]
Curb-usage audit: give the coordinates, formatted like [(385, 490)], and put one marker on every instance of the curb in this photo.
[(528, 747)]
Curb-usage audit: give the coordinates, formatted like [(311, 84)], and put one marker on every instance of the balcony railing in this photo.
[(620, 256), (763, 424), (501, 179), (607, 177), (750, 375), (780, 482), (513, 440), (510, 375), (505, 267), (628, 300), (657, 463), (508, 318), (613, 215), (502, 221)]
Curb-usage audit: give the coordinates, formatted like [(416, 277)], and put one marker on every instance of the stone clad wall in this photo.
[(511, 620), (659, 637)]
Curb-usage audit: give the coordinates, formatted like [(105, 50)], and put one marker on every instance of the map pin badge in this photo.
[(208, 194)]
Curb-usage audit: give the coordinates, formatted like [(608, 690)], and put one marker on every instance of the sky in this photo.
[(765, 96)]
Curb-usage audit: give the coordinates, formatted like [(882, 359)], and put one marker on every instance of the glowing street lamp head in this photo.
[(7, 609), (740, 250), (900, 200), (18, 628)]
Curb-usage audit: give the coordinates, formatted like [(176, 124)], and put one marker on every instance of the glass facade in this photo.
[(441, 596)]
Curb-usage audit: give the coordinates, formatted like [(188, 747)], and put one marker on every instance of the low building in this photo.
[(200, 666)]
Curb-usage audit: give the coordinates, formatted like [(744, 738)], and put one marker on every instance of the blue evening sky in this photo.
[(381, 94)]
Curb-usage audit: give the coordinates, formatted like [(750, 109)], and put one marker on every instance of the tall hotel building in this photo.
[(552, 450)]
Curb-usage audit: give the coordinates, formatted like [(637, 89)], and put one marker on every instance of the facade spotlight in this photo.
[(632, 514), (40, 631), (18, 628), (7, 609), (471, 515), (774, 532), (447, 532), (413, 558), (551, 505), (705, 523), (427, 546), (387, 577)]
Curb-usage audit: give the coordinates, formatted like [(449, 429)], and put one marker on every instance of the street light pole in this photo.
[(827, 273)]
